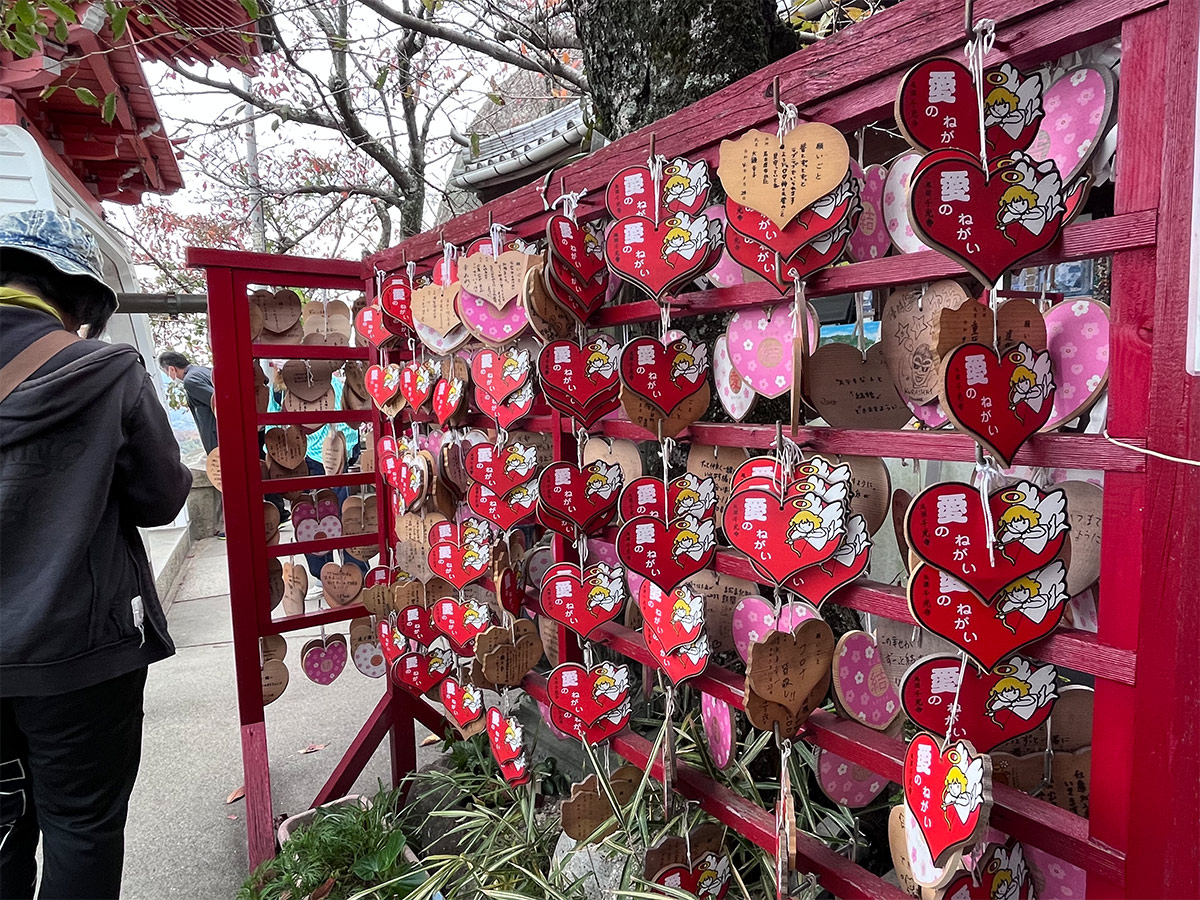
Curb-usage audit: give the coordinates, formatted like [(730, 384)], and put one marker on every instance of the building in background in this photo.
[(56, 150)]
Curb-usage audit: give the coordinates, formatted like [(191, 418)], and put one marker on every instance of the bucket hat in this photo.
[(59, 240)]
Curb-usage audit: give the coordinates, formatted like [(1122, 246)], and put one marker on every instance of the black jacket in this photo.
[(86, 456)]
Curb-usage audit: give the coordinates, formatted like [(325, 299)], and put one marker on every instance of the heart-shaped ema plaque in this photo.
[(946, 527), (993, 707), (1022, 612), (959, 783), (937, 108), (1016, 209), (788, 675), (781, 177)]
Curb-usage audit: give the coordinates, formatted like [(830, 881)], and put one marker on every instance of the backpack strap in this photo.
[(32, 358)]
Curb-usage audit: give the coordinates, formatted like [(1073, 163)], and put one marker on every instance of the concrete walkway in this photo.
[(183, 841)]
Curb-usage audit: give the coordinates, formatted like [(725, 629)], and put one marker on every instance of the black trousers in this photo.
[(67, 767)]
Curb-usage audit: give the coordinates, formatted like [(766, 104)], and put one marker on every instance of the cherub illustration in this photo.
[(715, 877), (963, 791), (523, 395), (684, 181), (477, 614), (454, 391), (815, 523), (423, 377), (440, 656), (1034, 595), (514, 734), (475, 532), (687, 236), (695, 538), (827, 205), (688, 609), (1009, 873), (612, 682), (602, 360), (696, 650), (1030, 519), (1022, 690), (520, 459), (522, 495), (697, 496), (606, 588), (1033, 196), (1031, 382), (515, 365), (691, 360), (471, 698), (1011, 103), (621, 712), (855, 541), (604, 481)]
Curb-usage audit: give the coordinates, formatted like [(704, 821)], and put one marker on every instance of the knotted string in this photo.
[(570, 203), (987, 473), (977, 48)]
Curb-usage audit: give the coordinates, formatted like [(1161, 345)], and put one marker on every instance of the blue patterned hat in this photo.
[(59, 240)]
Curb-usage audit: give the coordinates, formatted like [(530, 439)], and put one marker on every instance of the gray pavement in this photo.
[(183, 841)]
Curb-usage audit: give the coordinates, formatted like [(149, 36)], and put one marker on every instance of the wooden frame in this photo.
[(1140, 838)]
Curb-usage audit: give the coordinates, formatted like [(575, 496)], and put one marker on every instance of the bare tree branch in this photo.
[(547, 65)]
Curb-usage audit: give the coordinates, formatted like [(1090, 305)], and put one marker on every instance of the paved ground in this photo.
[(183, 841)]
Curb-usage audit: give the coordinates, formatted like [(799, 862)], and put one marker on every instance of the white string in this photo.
[(988, 472), (860, 327), (449, 252), (570, 203), (656, 166), (788, 119), (977, 48), (1182, 460), (410, 269), (495, 232)]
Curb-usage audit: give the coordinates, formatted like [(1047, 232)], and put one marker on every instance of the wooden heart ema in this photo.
[(789, 670)]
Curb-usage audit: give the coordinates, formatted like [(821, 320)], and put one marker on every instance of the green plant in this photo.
[(344, 850)]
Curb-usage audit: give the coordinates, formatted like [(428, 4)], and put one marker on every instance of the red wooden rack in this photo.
[(1139, 840)]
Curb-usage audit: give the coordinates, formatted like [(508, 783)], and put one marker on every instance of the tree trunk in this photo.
[(647, 58)]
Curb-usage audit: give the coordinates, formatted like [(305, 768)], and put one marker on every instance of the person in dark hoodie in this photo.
[(86, 457)]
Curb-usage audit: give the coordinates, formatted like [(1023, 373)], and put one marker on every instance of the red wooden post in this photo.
[(1165, 827), (229, 327)]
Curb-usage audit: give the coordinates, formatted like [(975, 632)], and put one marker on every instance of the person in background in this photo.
[(86, 458), (198, 388)]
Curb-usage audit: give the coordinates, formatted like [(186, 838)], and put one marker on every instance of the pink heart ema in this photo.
[(495, 325), (754, 618), (760, 347)]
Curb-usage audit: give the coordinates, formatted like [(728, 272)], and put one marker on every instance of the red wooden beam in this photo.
[(273, 265), (256, 768), (316, 482), (847, 80), (323, 545), (307, 351), (1079, 241), (325, 616), (317, 417), (359, 752), (1073, 451)]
